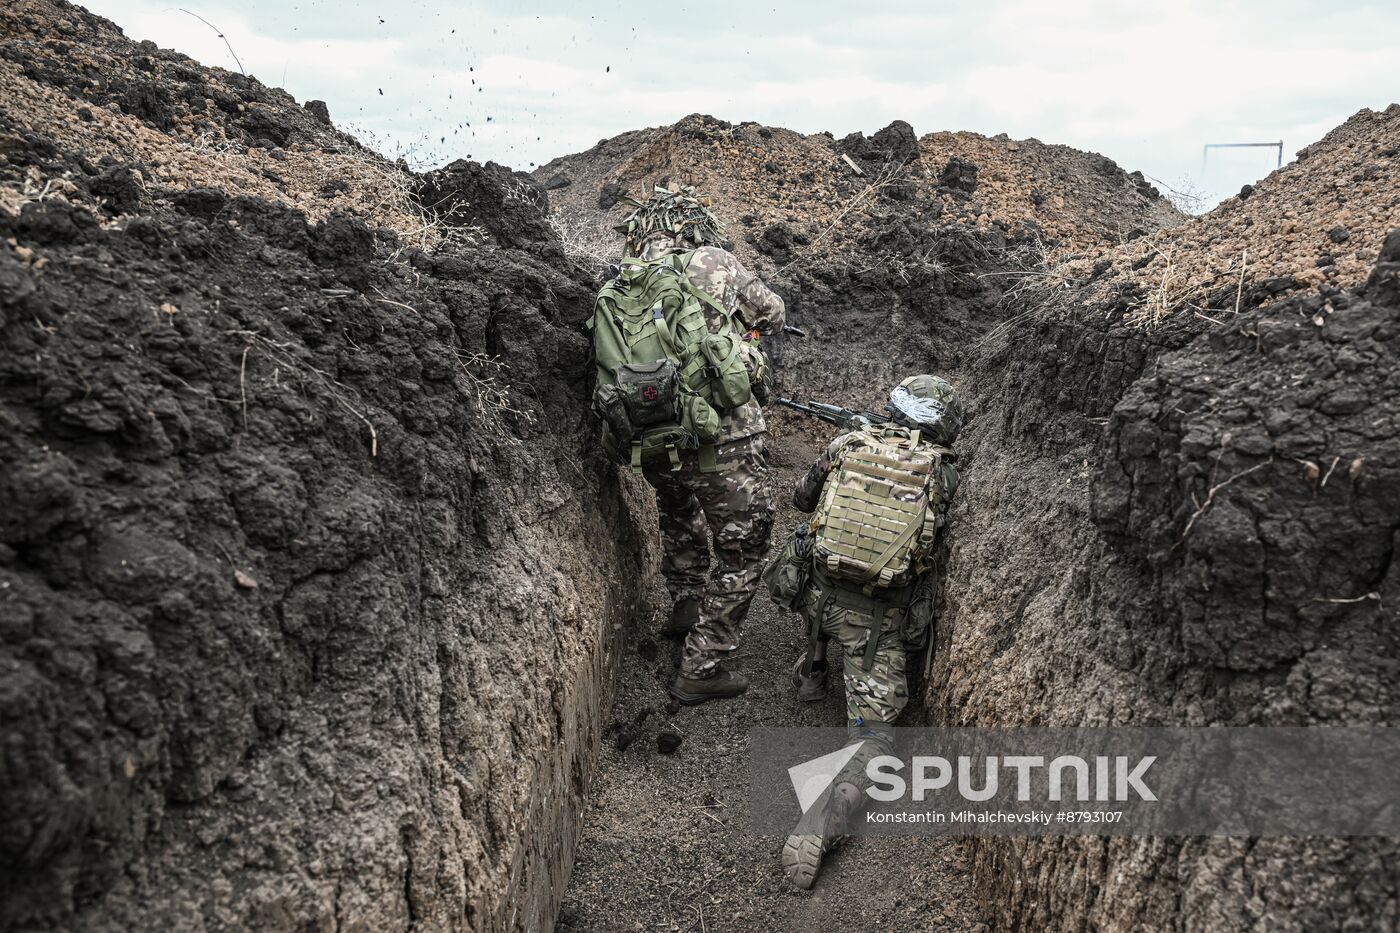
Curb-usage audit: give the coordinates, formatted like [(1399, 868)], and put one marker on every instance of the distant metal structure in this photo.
[(1205, 150)]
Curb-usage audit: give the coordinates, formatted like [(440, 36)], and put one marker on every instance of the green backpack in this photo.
[(663, 376)]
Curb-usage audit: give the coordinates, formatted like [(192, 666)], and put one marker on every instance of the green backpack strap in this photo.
[(710, 300), (663, 330), (872, 642)]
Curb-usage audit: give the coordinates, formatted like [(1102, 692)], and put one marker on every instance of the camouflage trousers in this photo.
[(875, 696), (881, 693), (733, 507)]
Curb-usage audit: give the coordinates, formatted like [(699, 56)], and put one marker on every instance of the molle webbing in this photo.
[(875, 507), (635, 315)]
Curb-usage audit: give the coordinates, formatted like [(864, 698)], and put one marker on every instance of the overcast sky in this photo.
[(1143, 83)]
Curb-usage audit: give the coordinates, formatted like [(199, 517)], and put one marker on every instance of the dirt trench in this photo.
[(1085, 584), (1113, 420), (666, 836), (311, 611), (665, 841)]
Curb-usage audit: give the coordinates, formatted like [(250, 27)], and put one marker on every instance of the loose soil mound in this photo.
[(148, 119), (1314, 225), (790, 196), (310, 577)]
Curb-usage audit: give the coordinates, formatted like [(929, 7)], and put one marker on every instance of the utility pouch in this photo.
[(651, 393), (611, 409), (725, 371), (701, 418), (666, 440), (761, 375), (918, 618), (787, 574)]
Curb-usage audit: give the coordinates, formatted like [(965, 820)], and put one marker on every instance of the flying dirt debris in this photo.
[(322, 607)]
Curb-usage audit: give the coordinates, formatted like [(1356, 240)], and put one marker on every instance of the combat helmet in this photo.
[(672, 212), (931, 404)]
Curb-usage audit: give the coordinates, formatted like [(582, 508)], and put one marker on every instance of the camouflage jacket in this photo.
[(720, 274), (808, 494)]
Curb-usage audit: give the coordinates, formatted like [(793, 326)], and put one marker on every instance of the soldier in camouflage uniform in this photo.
[(875, 676), (732, 506)]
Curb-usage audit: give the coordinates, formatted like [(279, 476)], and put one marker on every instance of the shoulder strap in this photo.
[(663, 331), (708, 299), (680, 262)]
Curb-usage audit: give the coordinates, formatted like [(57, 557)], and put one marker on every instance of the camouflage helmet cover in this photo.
[(678, 213), (932, 403)]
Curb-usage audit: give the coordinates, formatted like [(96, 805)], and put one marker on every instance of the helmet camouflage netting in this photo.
[(932, 403), (680, 214)]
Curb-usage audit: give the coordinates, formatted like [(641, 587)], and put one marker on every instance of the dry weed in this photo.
[(490, 394), (589, 241), (888, 175)]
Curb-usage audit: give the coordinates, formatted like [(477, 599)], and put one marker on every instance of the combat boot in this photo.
[(803, 851), (810, 687), (685, 612), (723, 684)]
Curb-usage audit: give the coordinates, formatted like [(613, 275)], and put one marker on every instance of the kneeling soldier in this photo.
[(859, 572)]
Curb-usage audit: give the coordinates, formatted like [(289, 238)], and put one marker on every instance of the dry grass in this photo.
[(1178, 287), (34, 189), (1185, 196), (490, 394), (907, 269), (1034, 269), (285, 355), (1043, 273), (588, 240)]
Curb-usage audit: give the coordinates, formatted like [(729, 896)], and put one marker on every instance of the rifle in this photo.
[(843, 418)]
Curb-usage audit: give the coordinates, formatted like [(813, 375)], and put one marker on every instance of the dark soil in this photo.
[(314, 589), (308, 605)]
